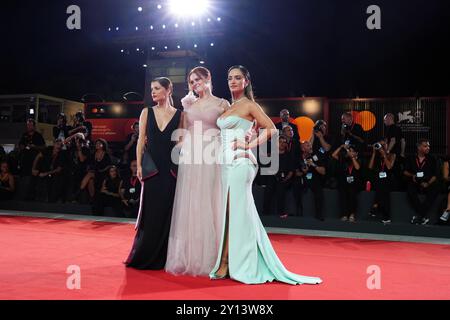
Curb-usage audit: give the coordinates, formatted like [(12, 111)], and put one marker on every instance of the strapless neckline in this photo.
[(220, 118)]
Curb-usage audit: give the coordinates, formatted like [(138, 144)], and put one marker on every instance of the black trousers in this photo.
[(348, 194), (383, 190), (301, 187), (413, 192), (102, 201)]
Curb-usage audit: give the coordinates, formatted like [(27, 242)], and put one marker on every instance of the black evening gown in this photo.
[(149, 249)]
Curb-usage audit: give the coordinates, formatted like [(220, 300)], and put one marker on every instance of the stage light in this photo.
[(219, 19), (159, 6), (151, 27), (178, 47), (163, 26), (188, 7), (137, 49), (153, 48), (137, 28), (212, 44), (140, 9), (195, 45), (117, 28), (165, 47), (144, 65), (109, 29), (121, 50)]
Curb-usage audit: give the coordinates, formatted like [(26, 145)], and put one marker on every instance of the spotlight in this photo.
[(153, 48), (212, 44), (121, 50), (140, 9), (165, 47), (109, 29), (151, 27), (163, 26), (219, 19), (195, 45), (144, 65), (137, 49), (188, 8), (178, 47), (137, 28), (117, 28), (159, 6)]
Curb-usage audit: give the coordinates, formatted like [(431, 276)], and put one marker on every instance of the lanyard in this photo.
[(382, 165), (350, 169), (133, 181), (420, 164)]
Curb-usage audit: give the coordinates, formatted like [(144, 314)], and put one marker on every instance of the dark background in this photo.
[(292, 48)]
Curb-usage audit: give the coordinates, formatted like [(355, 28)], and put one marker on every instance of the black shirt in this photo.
[(132, 150), (286, 165), (49, 162), (132, 187), (356, 130), (427, 166), (29, 154), (347, 175), (394, 131), (311, 175)]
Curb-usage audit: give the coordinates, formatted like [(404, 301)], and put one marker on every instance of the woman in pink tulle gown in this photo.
[(196, 217)]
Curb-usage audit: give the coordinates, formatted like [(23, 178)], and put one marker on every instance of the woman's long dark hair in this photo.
[(248, 91), (167, 84)]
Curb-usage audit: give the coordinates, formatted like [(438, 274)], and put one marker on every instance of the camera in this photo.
[(345, 126), (317, 126), (377, 146)]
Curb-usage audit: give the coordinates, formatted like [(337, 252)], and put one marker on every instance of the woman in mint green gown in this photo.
[(245, 253)]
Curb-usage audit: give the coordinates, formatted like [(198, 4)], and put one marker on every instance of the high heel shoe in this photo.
[(224, 276)]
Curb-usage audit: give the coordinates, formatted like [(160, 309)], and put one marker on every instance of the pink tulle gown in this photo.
[(196, 218)]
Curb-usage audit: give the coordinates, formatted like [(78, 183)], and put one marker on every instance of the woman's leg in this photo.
[(223, 269)]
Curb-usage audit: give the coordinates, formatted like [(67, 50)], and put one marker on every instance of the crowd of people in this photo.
[(346, 162), (77, 169), (73, 169)]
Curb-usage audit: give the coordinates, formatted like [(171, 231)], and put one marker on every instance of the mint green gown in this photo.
[(251, 257)]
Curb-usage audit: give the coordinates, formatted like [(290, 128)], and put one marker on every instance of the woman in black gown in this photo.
[(156, 125)]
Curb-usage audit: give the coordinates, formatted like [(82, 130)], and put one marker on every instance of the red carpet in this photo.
[(35, 254)]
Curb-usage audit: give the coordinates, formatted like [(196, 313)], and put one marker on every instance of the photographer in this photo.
[(381, 164), (309, 173), (283, 176), (293, 146), (446, 177), (351, 133), (284, 115), (349, 180), (61, 130), (131, 192), (81, 126), (320, 141), (80, 154), (109, 194), (48, 172), (7, 182), (420, 170), (130, 144)]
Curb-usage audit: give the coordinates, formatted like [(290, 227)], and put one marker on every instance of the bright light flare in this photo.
[(188, 7)]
